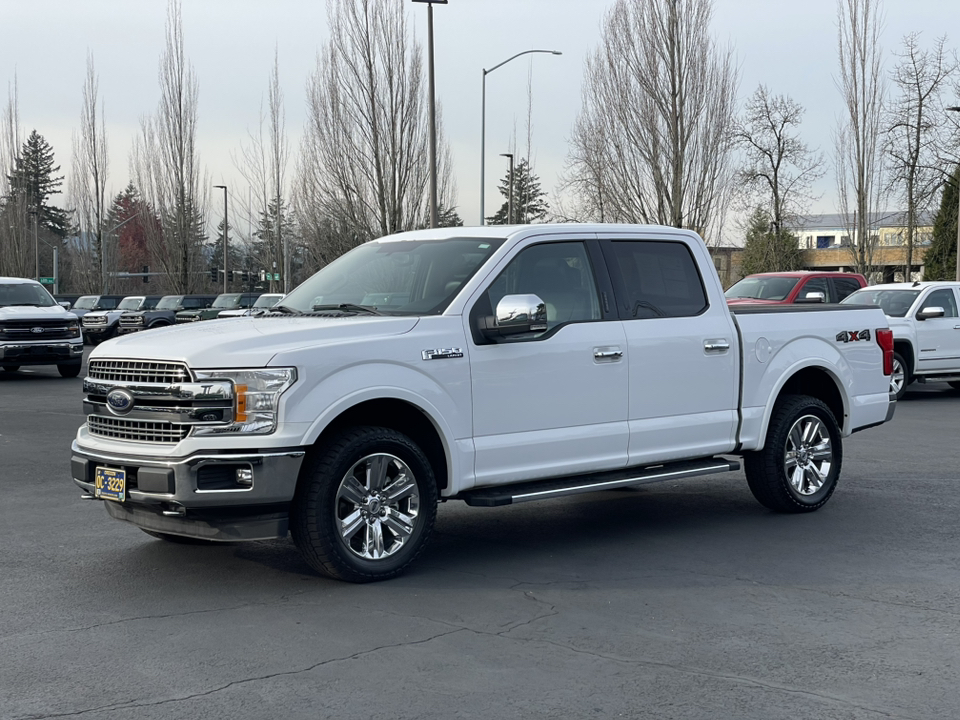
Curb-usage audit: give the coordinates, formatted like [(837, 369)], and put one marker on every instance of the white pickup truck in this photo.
[(925, 321), (36, 330), (491, 365)]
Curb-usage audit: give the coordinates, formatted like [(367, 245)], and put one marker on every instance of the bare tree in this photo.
[(15, 250), (858, 144), (653, 140), (364, 165), (916, 130), (166, 167), (88, 186)]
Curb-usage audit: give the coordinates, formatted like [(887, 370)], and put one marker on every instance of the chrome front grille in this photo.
[(138, 371), (136, 430), (135, 320), (94, 320), (35, 330)]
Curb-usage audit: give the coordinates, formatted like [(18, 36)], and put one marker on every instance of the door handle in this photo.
[(718, 345), (607, 354)]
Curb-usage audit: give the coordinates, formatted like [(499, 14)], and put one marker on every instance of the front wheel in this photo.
[(365, 505), (798, 467), (69, 370), (900, 377)]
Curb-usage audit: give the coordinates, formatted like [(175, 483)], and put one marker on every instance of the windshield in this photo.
[(267, 301), (130, 303), (30, 294), (87, 302), (894, 303), (763, 288), (227, 301), (169, 302), (407, 277)]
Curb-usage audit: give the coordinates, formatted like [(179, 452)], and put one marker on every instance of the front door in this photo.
[(550, 403), (939, 338), (683, 353)]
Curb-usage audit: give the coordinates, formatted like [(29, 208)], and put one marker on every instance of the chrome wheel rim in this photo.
[(808, 456), (377, 506), (897, 377)]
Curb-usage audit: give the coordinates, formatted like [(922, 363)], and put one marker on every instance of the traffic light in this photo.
[(146, 277), (214, 274)]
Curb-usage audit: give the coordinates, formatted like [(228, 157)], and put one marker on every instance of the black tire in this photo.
[(179, 539), (900, 366), (69, 370), (954, 385), (766, 469), (320, 503), (11, 368)]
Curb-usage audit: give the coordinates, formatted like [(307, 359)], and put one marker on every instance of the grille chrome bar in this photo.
[(138, 371), (136, 430)]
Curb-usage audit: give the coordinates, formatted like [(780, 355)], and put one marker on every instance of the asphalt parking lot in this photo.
[(680, 600)]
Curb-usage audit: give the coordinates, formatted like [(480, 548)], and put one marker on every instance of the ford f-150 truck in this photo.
[(492, 365), (925, 321)]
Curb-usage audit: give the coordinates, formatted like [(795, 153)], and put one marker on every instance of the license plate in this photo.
[(110, 484)]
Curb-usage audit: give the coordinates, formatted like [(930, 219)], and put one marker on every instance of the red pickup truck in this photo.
[(801, 286)]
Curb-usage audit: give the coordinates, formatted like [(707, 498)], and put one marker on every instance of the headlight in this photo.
[(257, 399), (73, 329)]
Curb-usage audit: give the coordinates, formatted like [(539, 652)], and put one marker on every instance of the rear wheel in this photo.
[(900, 377), (69, 370), (11, 368), (798, 468), (954, 385), (365, 505)]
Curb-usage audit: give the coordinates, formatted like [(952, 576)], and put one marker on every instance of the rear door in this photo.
[(555, 402), (683, 352)]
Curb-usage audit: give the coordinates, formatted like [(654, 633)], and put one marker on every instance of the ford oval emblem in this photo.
[(36, 330), (119, 401)]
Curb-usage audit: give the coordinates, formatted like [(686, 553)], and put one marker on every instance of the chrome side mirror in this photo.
[(64, 304), (516, 314), (930, 312), (814, 296)]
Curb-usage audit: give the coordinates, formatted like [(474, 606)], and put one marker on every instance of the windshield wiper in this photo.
[(349, 307), (286, 310)]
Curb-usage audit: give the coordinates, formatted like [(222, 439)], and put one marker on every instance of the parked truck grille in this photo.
[(134, 320), (95, 320), (136, 430), (138, 371), (34, 330)]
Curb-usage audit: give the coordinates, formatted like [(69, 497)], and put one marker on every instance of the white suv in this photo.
[(35, 330)]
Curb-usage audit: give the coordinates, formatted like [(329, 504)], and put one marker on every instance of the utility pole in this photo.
[(434, 213), (509, 156), (224, 188)]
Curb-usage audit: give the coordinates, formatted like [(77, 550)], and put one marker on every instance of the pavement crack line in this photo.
[(234, 683)]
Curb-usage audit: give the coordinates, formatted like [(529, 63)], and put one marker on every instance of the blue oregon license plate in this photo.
[(110, 484)]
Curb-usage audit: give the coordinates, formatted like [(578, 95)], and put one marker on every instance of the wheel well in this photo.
[(402, 417), (817, 383), (906, 351)]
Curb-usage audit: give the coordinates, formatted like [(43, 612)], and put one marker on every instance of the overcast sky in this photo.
[(789, 46)]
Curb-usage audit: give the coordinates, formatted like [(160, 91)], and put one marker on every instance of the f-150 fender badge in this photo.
[(442, 354), (853, 335)]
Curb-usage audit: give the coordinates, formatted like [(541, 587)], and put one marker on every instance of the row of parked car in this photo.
[(106, 316)]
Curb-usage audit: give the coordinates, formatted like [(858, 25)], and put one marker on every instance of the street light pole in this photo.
[(36, 242), (434, 212), (509, 156), (483, 116), (224, 188), (957, 277)]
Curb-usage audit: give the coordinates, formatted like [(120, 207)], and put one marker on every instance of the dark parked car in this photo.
[(165, 313), (100, 325), (227, 301)]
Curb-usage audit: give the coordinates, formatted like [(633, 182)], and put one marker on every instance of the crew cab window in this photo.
[(844, 287), (944, 299), (656, 279), (560, 274)]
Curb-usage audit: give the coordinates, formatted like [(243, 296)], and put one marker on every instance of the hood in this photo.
[(247, 341), (753, 301), (109, 314), (54, 312)]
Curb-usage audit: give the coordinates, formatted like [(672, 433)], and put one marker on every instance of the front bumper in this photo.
[(41, 353), (200, 495)]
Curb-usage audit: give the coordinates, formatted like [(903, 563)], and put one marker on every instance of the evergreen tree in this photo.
[(940, 262), (35, 179), (269, 244), (529, 204), (767, 249)]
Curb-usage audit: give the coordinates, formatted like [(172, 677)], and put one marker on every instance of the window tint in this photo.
[(843, 287), (560, 274), (656, 279), (942, 298), (815, 285)]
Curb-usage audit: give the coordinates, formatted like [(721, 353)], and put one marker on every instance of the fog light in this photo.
[(245, 477)]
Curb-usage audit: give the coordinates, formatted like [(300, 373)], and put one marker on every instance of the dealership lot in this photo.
[(680, 600)]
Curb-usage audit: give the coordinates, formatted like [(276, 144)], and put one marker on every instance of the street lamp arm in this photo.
[(525, 52)]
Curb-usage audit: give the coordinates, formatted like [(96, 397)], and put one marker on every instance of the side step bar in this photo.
[(575, 484)]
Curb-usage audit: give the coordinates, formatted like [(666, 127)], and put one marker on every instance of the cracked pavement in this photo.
[(679, 600)]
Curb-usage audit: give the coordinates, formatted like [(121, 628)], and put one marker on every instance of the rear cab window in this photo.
[(655, 279)]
